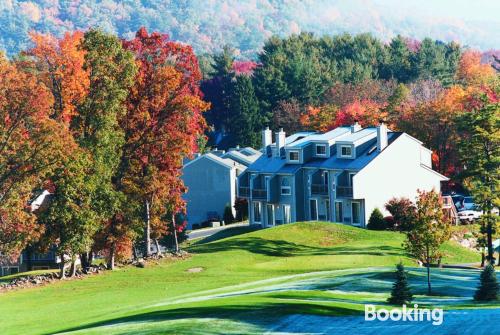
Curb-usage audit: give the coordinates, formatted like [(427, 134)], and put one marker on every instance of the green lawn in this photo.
[(170, 295)]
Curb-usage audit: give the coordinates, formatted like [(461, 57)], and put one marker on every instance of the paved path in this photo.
[(200, 233)]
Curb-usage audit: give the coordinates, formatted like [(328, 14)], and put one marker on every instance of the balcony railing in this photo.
[(259, 193), (320, 189), (244, 191), (344, 191)]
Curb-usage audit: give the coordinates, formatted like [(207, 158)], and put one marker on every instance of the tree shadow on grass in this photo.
[(281, 248), (262, 314), (228, 232)]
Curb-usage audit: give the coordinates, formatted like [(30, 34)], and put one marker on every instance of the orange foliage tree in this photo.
[(32, 144), (161, 127)]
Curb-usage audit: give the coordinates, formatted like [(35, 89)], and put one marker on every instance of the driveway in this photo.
[(201, 233)]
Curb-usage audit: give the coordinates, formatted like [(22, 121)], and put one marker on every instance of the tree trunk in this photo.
[(91, 258), (176, 243), (111, 259), (482, 257), (62, 275), (490, 242), (72, 269), (84, 261), (428, 272), (134, 253), (29, 255), (157, 245), (147, 230)]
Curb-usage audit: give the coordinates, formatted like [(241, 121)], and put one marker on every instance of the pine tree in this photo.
[(400, 293), (488, 286)]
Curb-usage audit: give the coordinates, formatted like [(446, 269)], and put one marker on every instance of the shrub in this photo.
[(403, 211), (228, 215), (400, 293), (488, 285), (376, 221), (389, 222), (241, 208)]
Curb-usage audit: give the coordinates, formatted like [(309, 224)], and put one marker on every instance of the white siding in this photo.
[(396, 172)]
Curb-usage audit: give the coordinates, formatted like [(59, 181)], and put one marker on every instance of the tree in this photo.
[(246, 119), (400, 293), (488, 285), (59, 63), (32, 145), (479, 150), (241, 208), (96, 124), (376, 221), (403, 212), (429, 231), (319, 118), (287, 116), (162, 126), (472, 71)]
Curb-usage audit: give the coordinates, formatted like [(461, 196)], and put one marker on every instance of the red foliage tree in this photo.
[(163, 122)]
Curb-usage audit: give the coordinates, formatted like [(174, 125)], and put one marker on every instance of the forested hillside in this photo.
[(208, 25)]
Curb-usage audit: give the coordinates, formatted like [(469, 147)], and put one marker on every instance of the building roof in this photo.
[(325, 137), (226, 162), (363, 134), (242, 158), (362, 158)]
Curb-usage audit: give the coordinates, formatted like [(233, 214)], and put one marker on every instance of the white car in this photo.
[(471, 215)]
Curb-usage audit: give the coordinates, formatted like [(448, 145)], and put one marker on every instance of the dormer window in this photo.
[(346, 151), (293, 156), (321, 149), (285, 186)]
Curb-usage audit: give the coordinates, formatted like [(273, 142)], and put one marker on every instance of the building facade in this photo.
[(338, 176), (211, 181)]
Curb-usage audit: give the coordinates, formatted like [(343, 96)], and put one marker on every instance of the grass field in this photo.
[(240, 284)]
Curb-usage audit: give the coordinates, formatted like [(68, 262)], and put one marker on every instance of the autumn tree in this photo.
[(162, 124), (429, 231), (59, 63), (31, 145), (287, 115), (471, 71), (321, 118), (96, 124)]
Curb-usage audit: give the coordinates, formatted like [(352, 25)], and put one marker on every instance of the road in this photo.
[(201, 233)]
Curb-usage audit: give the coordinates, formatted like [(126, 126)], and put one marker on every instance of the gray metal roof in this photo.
[(325, 137)]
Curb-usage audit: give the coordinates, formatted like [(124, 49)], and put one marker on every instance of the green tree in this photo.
[(488, 285), (376, 221), (479, 150), (398, 61), (429, 232), (246, 119), (112, 70), (400, 293), (228, 214)]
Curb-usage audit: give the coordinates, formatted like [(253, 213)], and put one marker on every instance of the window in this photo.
[(293, 156), (321, 149), (345, 151), (257, 212), (338, 212), (356, 213), (285, 186)]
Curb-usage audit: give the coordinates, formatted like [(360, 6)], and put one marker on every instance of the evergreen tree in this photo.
[(376, 221), (488, 286), (479, 150), (400, 293), (228, 214), (246, 119)]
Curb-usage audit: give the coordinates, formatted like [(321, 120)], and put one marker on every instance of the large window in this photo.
[(338, 212), (321, 149), (356, 213), (293, 156), (285, 186), (345, 151), (257, 212)]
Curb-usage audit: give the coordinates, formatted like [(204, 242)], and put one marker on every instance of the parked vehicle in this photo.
[(468, 203), (471, 215)]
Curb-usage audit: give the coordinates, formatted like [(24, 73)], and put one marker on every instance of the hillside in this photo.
[(259, 262), (247, 24)]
